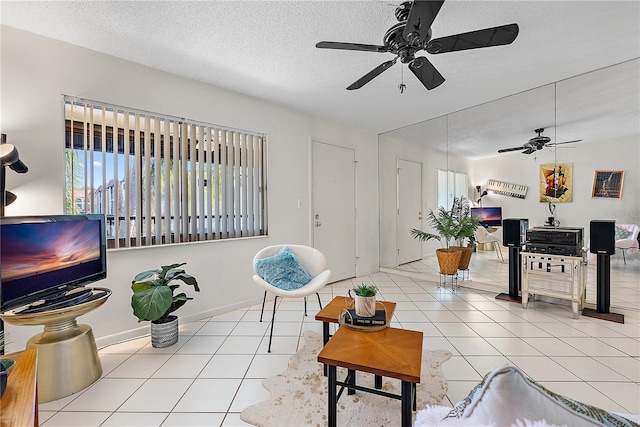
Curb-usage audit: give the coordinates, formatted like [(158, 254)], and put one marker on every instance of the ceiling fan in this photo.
[(413, 33), (536, 143)]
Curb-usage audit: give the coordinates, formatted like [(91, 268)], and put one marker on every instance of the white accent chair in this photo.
[(483, 236), (629, 243), (312, 260)]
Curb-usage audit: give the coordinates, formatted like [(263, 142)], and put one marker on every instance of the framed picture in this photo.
[(607, 184), (556, 183)]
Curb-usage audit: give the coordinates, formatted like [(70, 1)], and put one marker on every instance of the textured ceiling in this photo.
[(266, 49)]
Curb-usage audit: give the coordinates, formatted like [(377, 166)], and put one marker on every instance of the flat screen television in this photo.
[(49, 253), (489, 216)]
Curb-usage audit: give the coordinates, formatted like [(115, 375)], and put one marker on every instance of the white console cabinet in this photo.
[(556, 276)]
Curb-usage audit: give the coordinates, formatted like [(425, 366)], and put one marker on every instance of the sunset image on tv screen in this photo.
[(31, 249)]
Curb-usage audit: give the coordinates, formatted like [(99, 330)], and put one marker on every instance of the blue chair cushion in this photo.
[(282, 270), (621, 233)]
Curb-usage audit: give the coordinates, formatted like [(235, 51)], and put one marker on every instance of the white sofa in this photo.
[(506, 397)]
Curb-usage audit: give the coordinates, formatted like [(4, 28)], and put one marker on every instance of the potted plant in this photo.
[(154, 300), (365, 299), (447, 228), (467, 226)]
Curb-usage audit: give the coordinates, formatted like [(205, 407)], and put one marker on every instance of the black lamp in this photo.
[(8, 157), (9, 198), (484, 193)]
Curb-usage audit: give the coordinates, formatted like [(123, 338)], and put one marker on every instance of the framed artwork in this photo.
[(556, 183), (607, 184)]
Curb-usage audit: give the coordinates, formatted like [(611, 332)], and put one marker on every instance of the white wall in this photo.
[(586, 157), (37, 71)]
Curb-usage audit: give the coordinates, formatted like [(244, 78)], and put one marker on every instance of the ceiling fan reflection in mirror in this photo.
[(412, 34), (536, 143)]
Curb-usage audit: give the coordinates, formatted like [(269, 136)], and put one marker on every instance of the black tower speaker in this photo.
[(603, 237), (603, 243), (514, 231)]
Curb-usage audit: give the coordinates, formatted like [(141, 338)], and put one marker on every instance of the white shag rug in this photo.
[(299, 394)]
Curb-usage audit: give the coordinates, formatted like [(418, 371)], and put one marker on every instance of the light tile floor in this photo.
[(216, 368)]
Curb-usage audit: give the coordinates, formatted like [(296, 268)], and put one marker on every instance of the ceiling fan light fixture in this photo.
[(536, 143), (413, 33)]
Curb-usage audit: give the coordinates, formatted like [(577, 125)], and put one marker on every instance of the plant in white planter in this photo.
[(365, 299), (153, 299)]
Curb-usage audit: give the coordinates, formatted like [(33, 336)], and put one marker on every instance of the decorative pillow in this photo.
[(431, 416), (507, 395), (621, 233), (282, 270)]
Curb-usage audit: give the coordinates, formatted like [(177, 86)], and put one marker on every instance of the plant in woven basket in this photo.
[(448, 226), (154, 297), (467, 223), (451, 225), (445, 225)]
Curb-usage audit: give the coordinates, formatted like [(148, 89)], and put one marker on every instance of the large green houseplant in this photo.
[(467, 226), (449, 226), (154, 300)]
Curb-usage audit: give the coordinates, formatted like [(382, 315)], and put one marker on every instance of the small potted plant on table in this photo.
[(365, 299), (153, 299)]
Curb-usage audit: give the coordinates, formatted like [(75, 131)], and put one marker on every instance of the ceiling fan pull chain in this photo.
[(402, 86)]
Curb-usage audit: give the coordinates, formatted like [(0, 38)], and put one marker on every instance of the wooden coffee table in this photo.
[(331, 311), (394, 353)]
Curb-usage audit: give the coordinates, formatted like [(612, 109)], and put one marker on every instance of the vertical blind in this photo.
[(161, 179)]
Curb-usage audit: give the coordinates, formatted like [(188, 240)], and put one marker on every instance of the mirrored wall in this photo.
[(601, 109)]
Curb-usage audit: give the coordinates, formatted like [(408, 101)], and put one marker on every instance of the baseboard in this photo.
[(143, 330)]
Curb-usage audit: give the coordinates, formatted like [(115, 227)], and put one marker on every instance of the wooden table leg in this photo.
[(332, 396)]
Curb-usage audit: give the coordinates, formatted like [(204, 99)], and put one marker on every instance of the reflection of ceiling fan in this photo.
[(536, 143), (413, 33)]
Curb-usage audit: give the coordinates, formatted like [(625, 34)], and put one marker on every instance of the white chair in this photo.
[(312, 260), (629, 243), (483, 236)]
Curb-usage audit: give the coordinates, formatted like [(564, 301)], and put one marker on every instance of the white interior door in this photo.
[(334, 221), (409, 210)]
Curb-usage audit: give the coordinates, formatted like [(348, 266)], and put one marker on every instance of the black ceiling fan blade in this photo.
[(565, 142), (351, 46), (421, 16), (495, 36), (371, 75), (506, 150), (426, 72)]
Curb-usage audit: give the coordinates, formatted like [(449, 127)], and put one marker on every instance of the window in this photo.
[(161, 179), (451, 184)]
